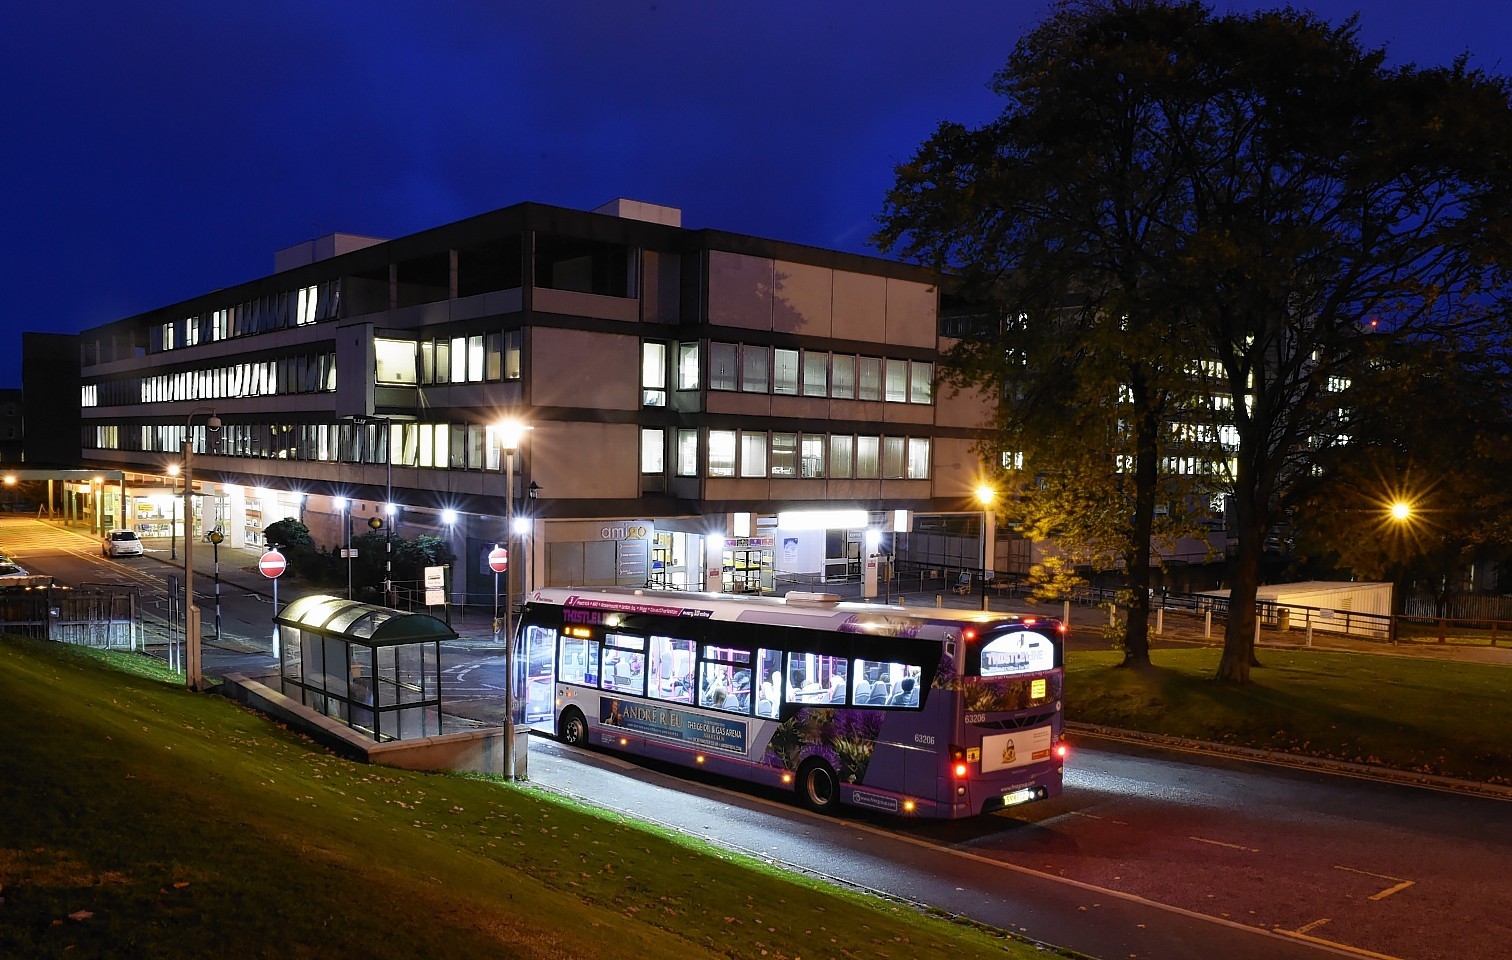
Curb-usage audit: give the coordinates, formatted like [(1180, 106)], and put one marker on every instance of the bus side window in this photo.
[(768, 692)]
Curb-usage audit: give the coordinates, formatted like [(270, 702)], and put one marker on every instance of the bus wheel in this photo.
[(572, 728), (818, 787)]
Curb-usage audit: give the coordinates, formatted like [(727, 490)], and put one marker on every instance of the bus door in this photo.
[(538, 653)]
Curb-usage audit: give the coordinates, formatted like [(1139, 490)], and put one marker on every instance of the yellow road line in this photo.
[(1220, 843)]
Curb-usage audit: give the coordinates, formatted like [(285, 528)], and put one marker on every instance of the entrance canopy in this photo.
[(376, 669)]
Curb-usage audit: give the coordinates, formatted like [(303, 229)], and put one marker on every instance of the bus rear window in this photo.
[(1016, 653)]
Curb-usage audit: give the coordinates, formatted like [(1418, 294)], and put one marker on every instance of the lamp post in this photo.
[(985, 495), (345, 506), (510, 433), (173, 471), (192, 612)]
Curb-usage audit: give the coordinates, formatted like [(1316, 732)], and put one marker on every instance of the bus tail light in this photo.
[(1062, 750), (958, 765)]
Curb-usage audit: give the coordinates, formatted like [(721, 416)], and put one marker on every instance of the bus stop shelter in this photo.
[(373, 668)]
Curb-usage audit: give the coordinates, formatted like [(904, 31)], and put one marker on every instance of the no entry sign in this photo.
[(272, 564), (498, 559)]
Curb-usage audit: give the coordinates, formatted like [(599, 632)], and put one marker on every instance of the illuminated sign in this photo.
[(822, 519)]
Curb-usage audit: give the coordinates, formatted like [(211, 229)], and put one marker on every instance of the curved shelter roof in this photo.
[(364, 623)]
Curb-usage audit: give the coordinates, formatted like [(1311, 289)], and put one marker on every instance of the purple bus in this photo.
[(911, 711)]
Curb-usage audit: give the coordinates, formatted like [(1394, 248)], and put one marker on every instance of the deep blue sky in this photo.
[(155, 151)]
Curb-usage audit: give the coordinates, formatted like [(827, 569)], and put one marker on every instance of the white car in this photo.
[(9, 569), (121, 543)]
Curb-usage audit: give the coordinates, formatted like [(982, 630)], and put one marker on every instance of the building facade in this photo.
[(705, 409)]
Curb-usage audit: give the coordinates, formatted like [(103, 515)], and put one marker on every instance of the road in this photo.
[(1149, 853)]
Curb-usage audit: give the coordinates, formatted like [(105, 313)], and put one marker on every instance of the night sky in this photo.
[(153, 152)]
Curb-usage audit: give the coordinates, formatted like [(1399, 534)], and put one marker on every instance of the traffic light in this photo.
[(376, 523)]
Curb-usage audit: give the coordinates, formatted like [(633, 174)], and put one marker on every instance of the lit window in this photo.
[(755, 369), (687, 453), (721, 453), (785, 372), (654, 374), (784, 454), (753, 449), (815, 374), (687, 366), (918, 458), (653, 450)]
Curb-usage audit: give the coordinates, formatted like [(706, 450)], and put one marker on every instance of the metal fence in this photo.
[(86, 618)]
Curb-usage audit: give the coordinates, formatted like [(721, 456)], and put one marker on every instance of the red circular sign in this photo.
[(498, 559), (272, 564)]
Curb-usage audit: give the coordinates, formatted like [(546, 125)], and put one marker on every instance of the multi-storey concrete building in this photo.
[(706, 409)]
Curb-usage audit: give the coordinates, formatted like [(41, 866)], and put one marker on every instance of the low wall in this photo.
[(472, 751)]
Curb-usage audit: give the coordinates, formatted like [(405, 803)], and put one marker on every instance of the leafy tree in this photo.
[(294, 542), (1223, 211), (410, 558), (1436, 439)]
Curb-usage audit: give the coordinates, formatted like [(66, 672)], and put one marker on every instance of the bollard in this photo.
[(1112, 615), (1257, 628), (1066, 615), (939, 600), (1207, 625), (1309, 631), (1159, 621)]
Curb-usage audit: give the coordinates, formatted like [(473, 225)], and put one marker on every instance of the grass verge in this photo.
[(1425, 716), (139, 820)]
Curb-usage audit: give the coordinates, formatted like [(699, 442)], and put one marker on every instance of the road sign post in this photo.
[(272, 565)]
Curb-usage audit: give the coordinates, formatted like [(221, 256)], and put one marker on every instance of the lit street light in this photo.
[(192, 612), (985, 495), (173, 471), (1401, 511), (510, 433)]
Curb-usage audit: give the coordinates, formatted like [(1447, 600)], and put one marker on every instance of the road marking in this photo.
[(1093, 816), (1220, 843), (1312, 926), (1400, 883), (1335, 945), (1340, 948)]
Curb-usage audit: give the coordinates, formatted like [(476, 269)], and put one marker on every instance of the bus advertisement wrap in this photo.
[(710, 733), (1017, 749)]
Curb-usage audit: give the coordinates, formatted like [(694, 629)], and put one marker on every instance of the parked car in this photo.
[(121, 543), (9, 569)]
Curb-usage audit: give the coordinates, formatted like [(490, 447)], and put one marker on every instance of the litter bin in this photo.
[(1283, 618)]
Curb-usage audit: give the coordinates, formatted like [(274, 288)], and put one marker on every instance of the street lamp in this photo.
[(173, 471), (1401, 511), (192, 612), (510, 433), (985, 495)]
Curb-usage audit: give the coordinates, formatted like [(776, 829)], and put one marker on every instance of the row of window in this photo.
[(782, 371), (477, 358), (727, 678), (294, 308), (785, 454), (304, 373), (731, 453)]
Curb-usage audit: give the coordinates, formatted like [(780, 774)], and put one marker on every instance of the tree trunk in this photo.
[(1239, 634), (1136, 645)]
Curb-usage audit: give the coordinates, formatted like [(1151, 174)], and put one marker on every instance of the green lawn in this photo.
[(141, 821), (1426, 716)]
